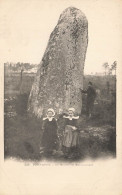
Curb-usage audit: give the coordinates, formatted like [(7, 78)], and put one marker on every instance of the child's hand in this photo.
[(74, 128)]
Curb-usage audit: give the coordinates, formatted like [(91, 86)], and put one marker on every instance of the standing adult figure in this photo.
[(91, 95)]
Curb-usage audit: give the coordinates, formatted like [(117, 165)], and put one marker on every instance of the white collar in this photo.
[(70, 118), (50, 119)]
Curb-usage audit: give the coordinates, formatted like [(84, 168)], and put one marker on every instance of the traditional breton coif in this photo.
[(60, 73)]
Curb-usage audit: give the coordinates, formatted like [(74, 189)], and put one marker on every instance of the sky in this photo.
[(25, 27)]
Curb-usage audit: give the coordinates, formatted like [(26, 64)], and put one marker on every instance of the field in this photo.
[(22, 133)]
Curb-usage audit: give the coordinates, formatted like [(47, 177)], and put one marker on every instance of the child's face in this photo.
[(71, 114), (49, 114)]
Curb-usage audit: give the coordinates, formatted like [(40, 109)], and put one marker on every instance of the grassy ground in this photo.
[(23, 135), (23, 132)]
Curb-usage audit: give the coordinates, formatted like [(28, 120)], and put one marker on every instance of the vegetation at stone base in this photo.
[(23, 132), (23, 137)]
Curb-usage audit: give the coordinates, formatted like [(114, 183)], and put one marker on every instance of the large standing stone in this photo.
[(60, 73)]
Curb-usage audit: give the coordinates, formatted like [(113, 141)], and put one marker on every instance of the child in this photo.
[(71, 135), (50, 135)]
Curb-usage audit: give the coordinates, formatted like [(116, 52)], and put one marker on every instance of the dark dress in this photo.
[(49, 137), (71, 137)]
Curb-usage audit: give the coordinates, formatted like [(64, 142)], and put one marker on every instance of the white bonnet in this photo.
[(71, 109), (51, 110)]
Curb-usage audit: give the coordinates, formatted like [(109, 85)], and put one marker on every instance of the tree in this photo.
[(106, 67), (113, 66), (110, 71)]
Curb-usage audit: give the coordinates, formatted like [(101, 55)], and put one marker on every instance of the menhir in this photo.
[(60, 73)]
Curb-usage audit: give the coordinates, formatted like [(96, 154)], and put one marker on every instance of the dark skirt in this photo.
[(49, 139)]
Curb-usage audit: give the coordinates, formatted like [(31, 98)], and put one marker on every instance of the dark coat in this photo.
[(91, 94)]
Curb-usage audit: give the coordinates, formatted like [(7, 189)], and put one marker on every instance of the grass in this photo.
[(23, 135), (23, 132), (23, 138)]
